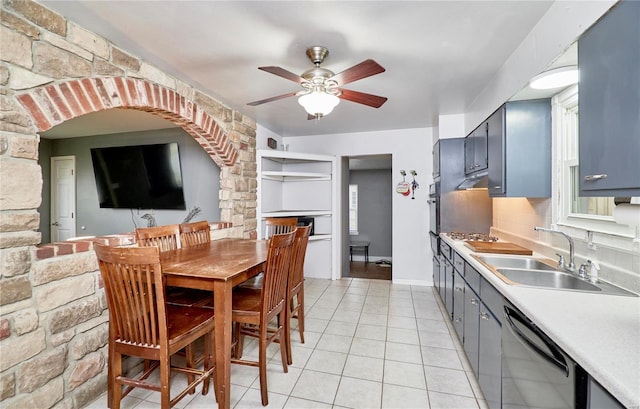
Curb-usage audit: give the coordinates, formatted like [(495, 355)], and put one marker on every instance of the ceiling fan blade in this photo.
[(281, 72), (264, 101), (374, 101), (365, 69)]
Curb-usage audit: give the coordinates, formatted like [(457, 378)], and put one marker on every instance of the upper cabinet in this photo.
[(519, 149), (475, 150), (609, 104)]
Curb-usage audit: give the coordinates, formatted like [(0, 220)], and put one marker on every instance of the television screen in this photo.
[(139, 177)]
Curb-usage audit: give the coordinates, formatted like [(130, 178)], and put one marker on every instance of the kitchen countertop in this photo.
[(600, 332)]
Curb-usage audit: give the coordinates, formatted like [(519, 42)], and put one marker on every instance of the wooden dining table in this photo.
[(217, 266)]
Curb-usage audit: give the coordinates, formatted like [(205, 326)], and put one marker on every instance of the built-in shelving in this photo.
[(293, 184)]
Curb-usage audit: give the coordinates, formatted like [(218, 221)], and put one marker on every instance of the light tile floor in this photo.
[(369, 344)]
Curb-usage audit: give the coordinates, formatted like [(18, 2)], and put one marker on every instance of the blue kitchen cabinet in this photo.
[(609, 104)]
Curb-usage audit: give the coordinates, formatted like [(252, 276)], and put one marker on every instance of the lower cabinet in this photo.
[(490, 346), (471, 327), (448, 283), (475, 308), (458, 305)]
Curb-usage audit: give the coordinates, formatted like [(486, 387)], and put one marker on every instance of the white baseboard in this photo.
[(412, 282)]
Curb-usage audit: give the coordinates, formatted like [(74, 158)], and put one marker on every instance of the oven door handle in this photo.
[(557, 359)]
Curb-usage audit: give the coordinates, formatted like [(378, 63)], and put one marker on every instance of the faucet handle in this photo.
[(561, 262), (583, 271)]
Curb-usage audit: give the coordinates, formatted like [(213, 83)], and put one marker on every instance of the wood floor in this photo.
[(358, 269)]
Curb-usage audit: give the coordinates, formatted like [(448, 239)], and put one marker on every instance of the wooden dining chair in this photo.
[(164, 238), (254, 310), (279, 225), (295, 286), (167, 238), (142, 324), (274, 225), (193, 234)]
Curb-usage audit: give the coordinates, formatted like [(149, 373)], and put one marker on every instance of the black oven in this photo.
[(434, 207)]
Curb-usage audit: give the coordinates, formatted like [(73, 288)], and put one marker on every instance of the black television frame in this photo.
[(139, 176)]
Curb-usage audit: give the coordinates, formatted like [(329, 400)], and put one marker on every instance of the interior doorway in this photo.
[(63, 198), (367, 205)]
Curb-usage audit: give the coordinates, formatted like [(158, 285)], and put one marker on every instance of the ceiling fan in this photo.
[(321, 90)]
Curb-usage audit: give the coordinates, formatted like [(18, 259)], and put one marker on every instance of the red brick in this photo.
[(149, 92), (64, 248), (122, 91), (57, 102), (82, 246), (168, 103), (44, 252), (41, 120), (71, 100), (80, 94), (133, 93), (92, 93), (103, 94), (156, 95), (5, 329)]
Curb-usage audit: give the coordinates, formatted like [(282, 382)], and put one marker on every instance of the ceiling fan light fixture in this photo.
[(556, 78), (318, 103)]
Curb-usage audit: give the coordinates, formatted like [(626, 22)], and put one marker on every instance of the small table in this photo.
[(359, 245)]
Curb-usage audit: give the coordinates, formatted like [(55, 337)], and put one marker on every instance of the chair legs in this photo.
[(265, 337), (295, 312)]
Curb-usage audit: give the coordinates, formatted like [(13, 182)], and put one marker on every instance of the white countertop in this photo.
[(600, 332)]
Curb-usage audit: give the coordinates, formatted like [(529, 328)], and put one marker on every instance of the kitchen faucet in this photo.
[(572, 266)]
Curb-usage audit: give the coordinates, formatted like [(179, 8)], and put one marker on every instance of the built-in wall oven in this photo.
[(536, 373)]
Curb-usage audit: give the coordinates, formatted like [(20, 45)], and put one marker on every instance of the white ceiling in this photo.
[(438, 55)]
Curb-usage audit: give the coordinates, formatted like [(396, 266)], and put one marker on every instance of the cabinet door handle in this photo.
[(595, 177), (458, 319), (484, 316), (459, 289), (474, 301), (497, 187)]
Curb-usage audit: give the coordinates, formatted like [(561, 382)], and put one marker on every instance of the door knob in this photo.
[(55, 224)]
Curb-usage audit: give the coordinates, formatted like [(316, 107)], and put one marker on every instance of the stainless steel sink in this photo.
[(529, 263), (536, 272), (548, 279)]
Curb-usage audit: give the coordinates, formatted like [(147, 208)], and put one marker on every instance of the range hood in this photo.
[(476, 181)]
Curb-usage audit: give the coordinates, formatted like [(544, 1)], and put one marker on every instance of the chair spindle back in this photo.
[(192, 234), (274, 287), (164, 237), (279, 225), (133, 283)]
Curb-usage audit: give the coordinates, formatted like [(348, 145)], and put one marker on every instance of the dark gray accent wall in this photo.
[(374, 209), (200, 176)]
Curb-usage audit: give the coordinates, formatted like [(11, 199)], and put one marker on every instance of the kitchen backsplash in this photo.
[(514, 219)]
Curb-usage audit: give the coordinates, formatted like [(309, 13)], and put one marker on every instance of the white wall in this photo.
[(410, 150), (560, 27)]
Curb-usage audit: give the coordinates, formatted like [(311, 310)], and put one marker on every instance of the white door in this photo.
[(63, 198)]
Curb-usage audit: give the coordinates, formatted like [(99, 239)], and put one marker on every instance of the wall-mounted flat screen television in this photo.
[(139, 177)]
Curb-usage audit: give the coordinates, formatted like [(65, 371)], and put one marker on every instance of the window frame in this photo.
[(353, 210), (575, 224)]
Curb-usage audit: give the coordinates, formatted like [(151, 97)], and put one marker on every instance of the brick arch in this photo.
[(53, 104)]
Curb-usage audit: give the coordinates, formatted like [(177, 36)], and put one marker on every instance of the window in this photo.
[(353, 209), (586, 213)]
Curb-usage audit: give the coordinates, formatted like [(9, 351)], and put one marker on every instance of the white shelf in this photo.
[(296, 213), (316, 237), (294, 184), (294, 176)]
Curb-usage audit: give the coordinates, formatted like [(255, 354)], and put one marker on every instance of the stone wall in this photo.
[(53, 311)]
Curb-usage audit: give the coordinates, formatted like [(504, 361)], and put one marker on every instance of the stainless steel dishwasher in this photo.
[(536, 373)]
